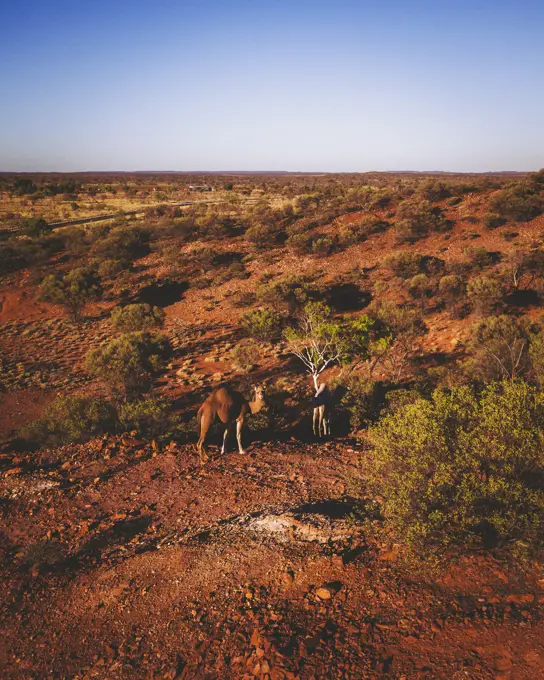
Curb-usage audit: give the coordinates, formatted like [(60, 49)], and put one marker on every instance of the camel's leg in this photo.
[(321, 421), (205, 422), (315, 420), (226, 436), (239, 425), (324, 420)]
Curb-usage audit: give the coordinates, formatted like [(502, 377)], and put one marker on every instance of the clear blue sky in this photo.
[(349, 85)]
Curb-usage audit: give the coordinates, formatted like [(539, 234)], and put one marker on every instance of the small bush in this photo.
[(536, 355), (459, 466), (359, 231), (202, 256), (399, 398), (520, 201), (19, 253), (291, 293), (151, 418), (479, 258), (451, 287), (493, 221), (460, 310), (404, 264), (500, 347), (263, 235), (417, 219), (361, 400), (71, 418), (299, 243), (123, 243), (137, 317), (215, 225), (262, 324), (245, 356), (35, 226), (129, 362), (110, 269), (484, 294), (434, 190), (408, 231), (74, 290), (421, 287), (323, 246)]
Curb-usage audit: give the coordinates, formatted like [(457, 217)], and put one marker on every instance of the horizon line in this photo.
[(265, 172)]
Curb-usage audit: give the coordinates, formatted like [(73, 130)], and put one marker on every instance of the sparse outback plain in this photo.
[(403, 539)]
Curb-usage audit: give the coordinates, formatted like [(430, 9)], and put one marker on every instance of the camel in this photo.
[(324, 402), (230, 407)]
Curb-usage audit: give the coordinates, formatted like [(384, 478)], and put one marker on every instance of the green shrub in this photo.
[(404, 264), (203, 256), (500, 347), (323, 246), (493, 221), (421, 287), (35, 226), (299, 243), (434, 190), (74, 290), (123, 243), (536, 355), (263, 235), (417, 219), (459, 466), (400, 320), (129, 362), (451, 287), (71, 418), (215, 225), (291, 293), (137, 317), (151, 418), (262, 324), (520, 201), (16, 254), (245, 356), (479, 258), (110, 269), (399, 398), (484, 294), (360, 230), (361, 400)]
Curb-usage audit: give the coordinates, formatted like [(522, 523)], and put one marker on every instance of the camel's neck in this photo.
[(256, 405)]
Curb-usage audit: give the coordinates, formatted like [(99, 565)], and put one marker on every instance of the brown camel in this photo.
[(230, 407)]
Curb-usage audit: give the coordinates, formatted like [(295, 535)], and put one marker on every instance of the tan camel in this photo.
[(230, 407)]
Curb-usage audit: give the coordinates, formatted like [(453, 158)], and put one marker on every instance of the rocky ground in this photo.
[(122, 559), (126, 559)]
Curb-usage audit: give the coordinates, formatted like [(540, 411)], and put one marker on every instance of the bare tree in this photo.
[(320, 341)]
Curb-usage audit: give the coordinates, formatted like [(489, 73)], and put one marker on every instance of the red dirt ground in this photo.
[(121, 560)]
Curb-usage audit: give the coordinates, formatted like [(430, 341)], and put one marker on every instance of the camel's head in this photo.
[(259, 392)]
